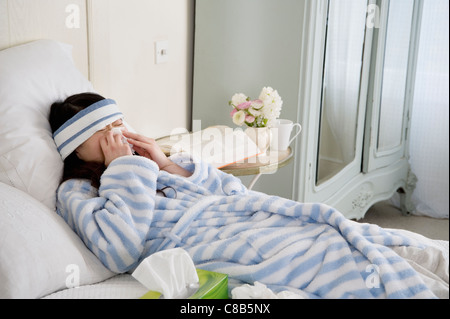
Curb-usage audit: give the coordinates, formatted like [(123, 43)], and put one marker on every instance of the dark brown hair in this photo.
[(60, 112)]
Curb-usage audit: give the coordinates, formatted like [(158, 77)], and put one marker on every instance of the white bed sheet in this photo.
[(118, 287)]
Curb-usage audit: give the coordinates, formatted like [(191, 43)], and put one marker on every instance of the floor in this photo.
[(387, 215)]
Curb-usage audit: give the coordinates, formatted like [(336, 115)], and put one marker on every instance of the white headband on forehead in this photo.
[(84, 124)]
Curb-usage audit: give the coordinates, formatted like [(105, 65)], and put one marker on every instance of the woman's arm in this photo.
[(174, 168), (196, 171)]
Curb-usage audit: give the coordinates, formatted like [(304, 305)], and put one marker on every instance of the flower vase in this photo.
[(260, 136)]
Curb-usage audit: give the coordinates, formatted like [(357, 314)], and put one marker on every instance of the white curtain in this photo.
[(429, 144)]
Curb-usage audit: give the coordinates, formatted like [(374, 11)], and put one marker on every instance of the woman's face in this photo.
[(91, 151)]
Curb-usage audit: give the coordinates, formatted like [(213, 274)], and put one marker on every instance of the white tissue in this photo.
[(118, 130), (260, 291), (170, 272)]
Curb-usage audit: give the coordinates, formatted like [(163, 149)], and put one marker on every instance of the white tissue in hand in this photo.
[(170, 272), (118, 130)]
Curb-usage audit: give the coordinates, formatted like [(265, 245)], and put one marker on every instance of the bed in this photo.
[(40, 256)]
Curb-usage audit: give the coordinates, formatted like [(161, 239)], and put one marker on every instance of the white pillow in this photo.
[(39, 253), (32, 77)]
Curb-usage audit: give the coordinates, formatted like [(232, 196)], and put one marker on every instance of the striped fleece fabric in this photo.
[(309, 249)]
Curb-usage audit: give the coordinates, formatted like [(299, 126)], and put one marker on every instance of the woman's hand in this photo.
[(113, 147), (148, 148)]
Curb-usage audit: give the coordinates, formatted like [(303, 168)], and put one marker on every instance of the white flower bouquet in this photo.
[(256, 113)]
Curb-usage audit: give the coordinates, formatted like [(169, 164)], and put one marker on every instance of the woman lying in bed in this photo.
[(126, 207)]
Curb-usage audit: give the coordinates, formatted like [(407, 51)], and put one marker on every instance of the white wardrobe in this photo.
[(348, 69)]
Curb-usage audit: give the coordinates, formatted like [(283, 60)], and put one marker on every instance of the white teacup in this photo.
[(281, 134)]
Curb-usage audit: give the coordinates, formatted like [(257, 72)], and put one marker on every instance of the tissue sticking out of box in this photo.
[(170, 272)]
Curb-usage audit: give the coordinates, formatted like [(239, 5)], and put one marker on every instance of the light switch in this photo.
[(162, 52)]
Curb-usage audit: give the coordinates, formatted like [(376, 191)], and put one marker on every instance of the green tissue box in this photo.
[(213, 285)]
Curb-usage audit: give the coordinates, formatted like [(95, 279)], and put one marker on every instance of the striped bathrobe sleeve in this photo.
[(114, 221)]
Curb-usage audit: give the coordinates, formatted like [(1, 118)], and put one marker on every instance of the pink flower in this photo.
[(233, 112), (250, 119), (244, 106)]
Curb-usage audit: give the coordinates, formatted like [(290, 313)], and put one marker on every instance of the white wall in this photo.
[(23, 21), (241, 47), (156, 98)]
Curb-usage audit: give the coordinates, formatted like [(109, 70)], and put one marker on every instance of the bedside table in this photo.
[(263, 164)]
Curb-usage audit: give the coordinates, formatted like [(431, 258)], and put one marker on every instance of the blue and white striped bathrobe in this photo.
[(310, 249)]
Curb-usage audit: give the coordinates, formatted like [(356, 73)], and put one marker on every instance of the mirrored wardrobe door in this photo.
[(392, 82), (340, 109), (395, 71)]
